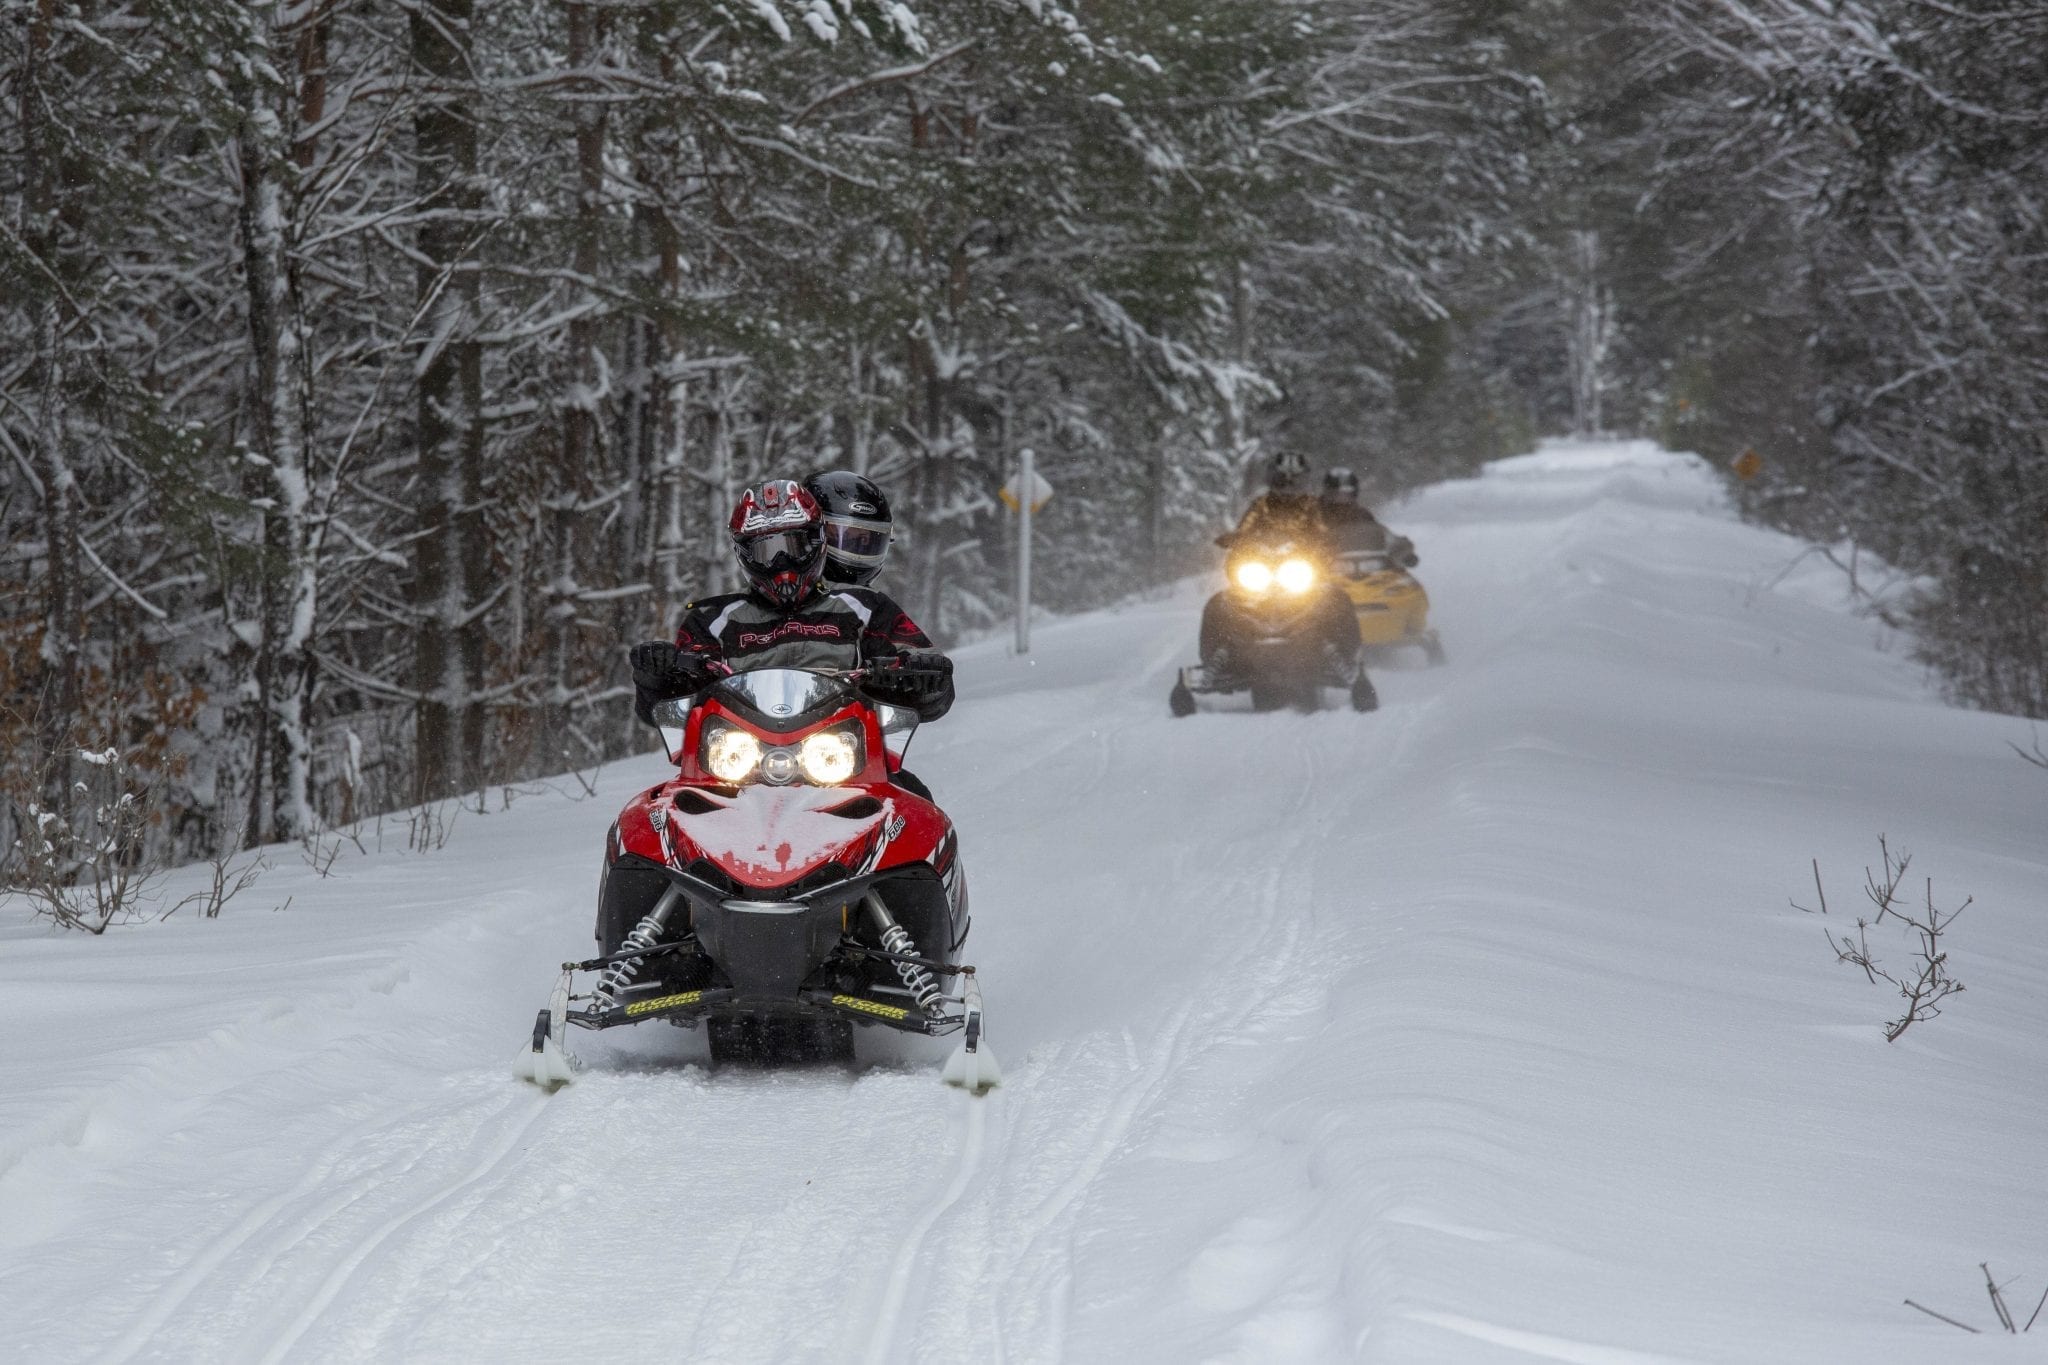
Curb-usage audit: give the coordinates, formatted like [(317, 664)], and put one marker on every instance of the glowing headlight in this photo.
[(828, 757), (1297, 575), (732, 755), (1253, 576)]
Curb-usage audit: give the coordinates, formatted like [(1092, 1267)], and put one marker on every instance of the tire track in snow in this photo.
[(886, 1327), (888, 1317), (264, 1214), (338, 1279), (1192, 1033), (1112, 1132), (1275, 963), (1201, 1022)]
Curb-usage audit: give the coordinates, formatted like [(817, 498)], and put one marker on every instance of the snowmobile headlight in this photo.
[(1296, 575), (1254, 576), (778, 766), (828, 757), (732, 754)]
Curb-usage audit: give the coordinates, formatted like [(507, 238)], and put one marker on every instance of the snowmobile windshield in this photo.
[(783, 698), (1363, 563)]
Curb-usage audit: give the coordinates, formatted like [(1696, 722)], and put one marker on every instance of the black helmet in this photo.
[(1340, 484), (857, 525), (1286, 471), (778, 537)]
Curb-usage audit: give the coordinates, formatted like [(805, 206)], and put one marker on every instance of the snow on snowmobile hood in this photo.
[(774, 835)]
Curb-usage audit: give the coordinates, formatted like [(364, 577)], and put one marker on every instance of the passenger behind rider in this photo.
[(1351, 526), (792, 616)]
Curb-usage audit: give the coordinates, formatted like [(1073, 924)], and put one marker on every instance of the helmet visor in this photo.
[(778, 552), (856, 542)]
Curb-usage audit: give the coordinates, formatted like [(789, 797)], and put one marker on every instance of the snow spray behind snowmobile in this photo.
[(782, 889), (1280, 629)]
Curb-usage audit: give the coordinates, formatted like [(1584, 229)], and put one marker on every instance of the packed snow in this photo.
[(1478, 1029)]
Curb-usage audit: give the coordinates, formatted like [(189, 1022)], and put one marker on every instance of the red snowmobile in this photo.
[(782, 889)]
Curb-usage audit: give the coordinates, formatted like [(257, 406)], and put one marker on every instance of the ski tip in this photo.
[(975, 1072), (549, 1066)]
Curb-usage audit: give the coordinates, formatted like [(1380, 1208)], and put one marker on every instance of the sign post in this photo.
[(1025, 494), (1024, 550)]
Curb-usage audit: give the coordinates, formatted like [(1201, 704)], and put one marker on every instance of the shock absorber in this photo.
[(643, 936), (895, 939)]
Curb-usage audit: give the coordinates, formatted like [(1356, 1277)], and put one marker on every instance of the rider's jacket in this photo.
[(1283, 516), (843, 628)]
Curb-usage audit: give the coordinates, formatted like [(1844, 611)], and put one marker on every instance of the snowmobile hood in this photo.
[(771, 836)]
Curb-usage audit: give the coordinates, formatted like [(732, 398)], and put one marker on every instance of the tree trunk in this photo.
[(1592, 333), (60, 690), (580, 448), (276, 408), (449, 556)]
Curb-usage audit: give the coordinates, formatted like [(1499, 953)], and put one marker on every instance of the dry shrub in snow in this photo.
[(1927, 982), (79, 855), (227, 879)]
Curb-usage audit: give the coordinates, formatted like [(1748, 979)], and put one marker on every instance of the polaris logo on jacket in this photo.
[(815, 630), (843, 629)]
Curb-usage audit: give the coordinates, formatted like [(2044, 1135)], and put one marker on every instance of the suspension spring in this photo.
[(895, 939), (643, 936)]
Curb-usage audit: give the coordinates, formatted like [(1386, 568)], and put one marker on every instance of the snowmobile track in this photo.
[(1123, 1084), (966, 1167), (338, 1278), (264, 1215)]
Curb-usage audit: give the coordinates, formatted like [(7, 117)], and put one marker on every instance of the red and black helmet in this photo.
[(778, 535)]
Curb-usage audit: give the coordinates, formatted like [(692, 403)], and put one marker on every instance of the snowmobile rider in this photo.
[(1353, 529), (790, 617), (1283, 512), (1279, 514)]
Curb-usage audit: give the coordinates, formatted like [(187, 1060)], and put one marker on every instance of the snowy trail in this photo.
[(1474, 1030)]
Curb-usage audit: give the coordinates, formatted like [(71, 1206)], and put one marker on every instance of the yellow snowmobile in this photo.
[(1393, 609)]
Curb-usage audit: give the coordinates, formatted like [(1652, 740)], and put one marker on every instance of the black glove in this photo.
[(910, 678), (651, 662), (660, 668)]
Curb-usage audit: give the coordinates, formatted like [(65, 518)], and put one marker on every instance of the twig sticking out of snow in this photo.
[(2039, 756), (1929, 983), (1998, 1306), (1943, 1316), (1997, 1299)]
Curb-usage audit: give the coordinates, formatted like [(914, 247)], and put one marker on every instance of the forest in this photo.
[(370, 375)]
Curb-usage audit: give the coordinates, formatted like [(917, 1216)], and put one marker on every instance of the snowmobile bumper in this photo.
[(686, 1007), (1267, 661), (767, 952), (548, 1063), (690, 1006), (768, 948)]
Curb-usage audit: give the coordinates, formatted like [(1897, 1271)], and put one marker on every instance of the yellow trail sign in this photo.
[(1041, 492)]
